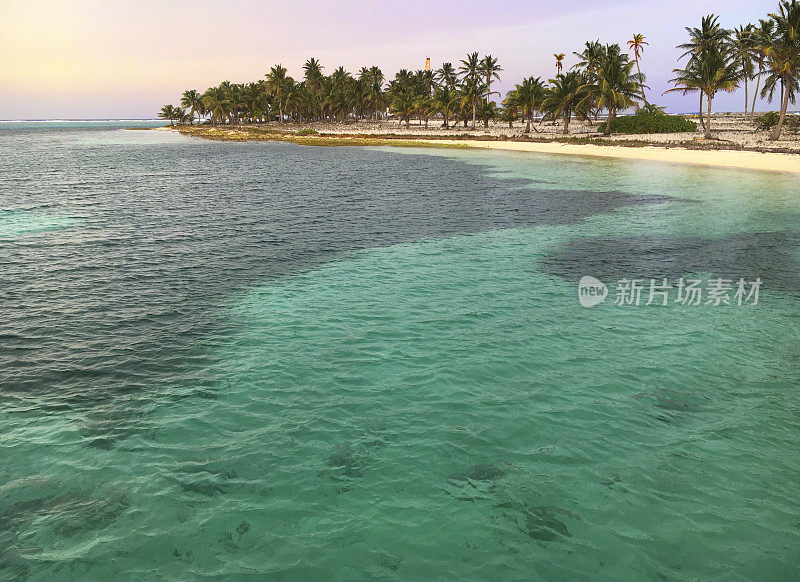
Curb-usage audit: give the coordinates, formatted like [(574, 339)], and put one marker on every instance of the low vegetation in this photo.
[(767, 121), (770, 120), (255, 133), (650, 122)]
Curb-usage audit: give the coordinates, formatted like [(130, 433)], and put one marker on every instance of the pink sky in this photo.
[(125, 59)]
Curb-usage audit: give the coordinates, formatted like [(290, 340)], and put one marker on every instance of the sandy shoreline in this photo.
[(774, 162), (738, 147)]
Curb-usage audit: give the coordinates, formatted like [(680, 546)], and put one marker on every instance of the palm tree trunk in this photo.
[(702, 120), (528, 124), (746, 101), (707, 128), (776, 133), (566, 122), (611, 114), (758, 82), (474, 109), (641, 83)]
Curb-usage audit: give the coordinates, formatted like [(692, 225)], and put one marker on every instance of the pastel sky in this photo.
[(126, 58)]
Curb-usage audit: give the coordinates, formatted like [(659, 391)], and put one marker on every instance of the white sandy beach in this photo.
[(775, 162)]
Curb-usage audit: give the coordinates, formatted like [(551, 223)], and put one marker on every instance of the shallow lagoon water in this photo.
[(239, 361)]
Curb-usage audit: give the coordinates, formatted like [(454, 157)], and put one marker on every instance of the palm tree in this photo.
[(256, 101), (745, 49), (361, 92), (313, 71), (617, 86), (447, 75), (783, 59), (409, 94), (276, 85), (710, 70), (567, 97), (763, 34), (169, 112), (444, 99), (510, 111), (559, 65), (229, 94), (528, 98), (192, 101), (423, 104), (637, 44), (403, 105), (472, 90), (314, 79), (374, 88), (463, 105), (488, 111), (490, 68), (710, 33), (589, 57), (217, 102), (470, 67), (427, 81), (341, 92), (470, 70), (594, 51)]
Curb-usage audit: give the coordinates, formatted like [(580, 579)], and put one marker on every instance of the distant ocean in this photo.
[(249, 361), (77, 123)]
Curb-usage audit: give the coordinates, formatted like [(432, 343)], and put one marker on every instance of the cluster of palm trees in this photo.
[(603, 79), (174, 114), (460, 93), (335, 97), (723, 60), (606, 79)]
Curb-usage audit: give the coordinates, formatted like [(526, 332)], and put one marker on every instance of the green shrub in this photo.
[(767, 121), (307, 131), (650, 122)]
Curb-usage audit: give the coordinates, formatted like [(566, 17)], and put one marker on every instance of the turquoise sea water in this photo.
[(266, 361)]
